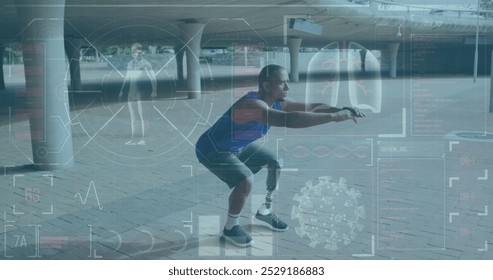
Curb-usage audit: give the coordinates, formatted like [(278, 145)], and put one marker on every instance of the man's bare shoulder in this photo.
[(250, 103), (246, 110)]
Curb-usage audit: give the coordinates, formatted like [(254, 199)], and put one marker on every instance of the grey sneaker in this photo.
[(271, 221), (238, 236)]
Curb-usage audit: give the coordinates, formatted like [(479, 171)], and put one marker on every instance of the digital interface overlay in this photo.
[(411, 180)]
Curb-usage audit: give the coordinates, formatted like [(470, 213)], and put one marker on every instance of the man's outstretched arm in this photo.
[(290, 105), (256, 110)]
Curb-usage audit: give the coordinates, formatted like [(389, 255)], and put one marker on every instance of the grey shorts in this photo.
[(234, 168)]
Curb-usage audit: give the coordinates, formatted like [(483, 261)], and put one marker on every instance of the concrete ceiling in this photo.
[(110, 22)]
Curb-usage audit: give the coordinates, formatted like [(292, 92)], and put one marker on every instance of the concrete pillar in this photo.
[(96, 54), (393, 49), (245, 55), (46, 89), (374, 5), (72, 48), (152, 50), (294, 51), (179, 51), (491, 84), (192, 34), (2, 80)]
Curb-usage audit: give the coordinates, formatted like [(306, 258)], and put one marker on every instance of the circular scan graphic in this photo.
[(114, 120), (328, 213)]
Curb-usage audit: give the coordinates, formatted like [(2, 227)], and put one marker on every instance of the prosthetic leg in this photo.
[(264, 214), (273, 173)]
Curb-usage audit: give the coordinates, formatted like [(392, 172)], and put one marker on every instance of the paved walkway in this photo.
[(411, 188)]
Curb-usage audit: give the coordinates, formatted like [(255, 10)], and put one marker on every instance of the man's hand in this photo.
[(120, 97), (354, 112), (348, 113)]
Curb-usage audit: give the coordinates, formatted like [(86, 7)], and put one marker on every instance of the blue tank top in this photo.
[(228, 136)]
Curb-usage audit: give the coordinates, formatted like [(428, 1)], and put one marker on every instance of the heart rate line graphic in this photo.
[(84, 200)]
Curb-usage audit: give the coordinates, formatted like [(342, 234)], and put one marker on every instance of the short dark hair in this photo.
[(268, 72)]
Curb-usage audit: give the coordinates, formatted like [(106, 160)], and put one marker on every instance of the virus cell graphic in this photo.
[(328, 213)]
